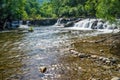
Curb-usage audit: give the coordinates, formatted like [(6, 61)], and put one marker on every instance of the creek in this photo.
[(22, 53)]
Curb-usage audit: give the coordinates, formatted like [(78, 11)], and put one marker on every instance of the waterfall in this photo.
[(86, 24), (90, 24), (96, 24), (60, 22)]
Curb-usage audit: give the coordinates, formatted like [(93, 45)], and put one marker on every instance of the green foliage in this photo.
[(33, 9), (108, 9), (68, 8), (47, 10), (11, 10)]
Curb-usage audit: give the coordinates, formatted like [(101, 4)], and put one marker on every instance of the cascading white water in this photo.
[(86, 24), (58, 22), (96, 24), (92, 24)]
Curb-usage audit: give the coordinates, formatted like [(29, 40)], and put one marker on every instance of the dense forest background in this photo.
[(37, 9)]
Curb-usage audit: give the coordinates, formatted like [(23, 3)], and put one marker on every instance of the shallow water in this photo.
[(22, 53)]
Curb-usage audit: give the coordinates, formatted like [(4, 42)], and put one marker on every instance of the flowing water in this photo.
[(91, 24), (22, 54)]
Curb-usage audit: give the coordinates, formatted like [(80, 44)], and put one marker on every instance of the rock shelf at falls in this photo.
[(89, 24)]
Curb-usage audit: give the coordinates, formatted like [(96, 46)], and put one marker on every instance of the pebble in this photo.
[(118, 65), (101, 51), (115, 78), (94, 56), (82, 55), (93, 79), (100, 58), (74, 52), (80, 68), (107, 61)]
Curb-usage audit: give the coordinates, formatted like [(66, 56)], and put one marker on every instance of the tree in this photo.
[(32, 9), (11, 10), (108, 9), (68, 8)]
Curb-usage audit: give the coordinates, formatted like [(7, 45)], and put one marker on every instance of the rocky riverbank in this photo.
[(102, 54)]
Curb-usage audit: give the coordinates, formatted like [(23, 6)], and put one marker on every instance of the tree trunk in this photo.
[(4, 26)]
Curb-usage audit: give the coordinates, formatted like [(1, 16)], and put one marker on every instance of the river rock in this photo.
[(107, 61), (94, 56), (118, 65), (115, 78), (100, 58), (104, 59), (43, 69), (101, 51), (82, 55), (93, 79), (113, 60), (74, 52)]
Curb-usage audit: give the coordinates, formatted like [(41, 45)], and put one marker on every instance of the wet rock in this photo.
[(101, 51), (115, 78), (74, 52), (81, 55), (107, 61), (113, 60), (104, 59), (100, 58), (93, 79), (43, 69), (106, 67), (118, 65), (94, 56), (68, 68), (69, 24), (80, 68), (58, 76), (84, 41), (15, 77)]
